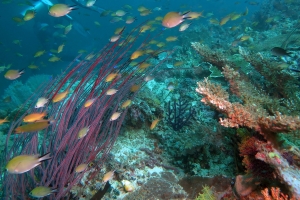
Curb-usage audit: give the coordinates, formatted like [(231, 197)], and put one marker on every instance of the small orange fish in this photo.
[(154, 123), (115, 116), (13, 74), (144, 65), (81, 167), (171, 38), (60, 96), (111, 91), (83, 132), (194, 15), (32, 127), (224, 20), (172, 19), (111, 77), (59, 10), (126, 103), (136, 54), (3, 120), (34, 117), (89, 102), (108, 176)]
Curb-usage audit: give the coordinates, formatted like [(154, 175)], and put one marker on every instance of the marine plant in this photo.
[(78, 100)]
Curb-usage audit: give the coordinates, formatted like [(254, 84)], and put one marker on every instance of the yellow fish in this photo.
[(108, 176), (171, 38), (54, 59), (154, 123), (34, 117), (29, 14), (89, 102), (111, 77), (126, 103), (111, 91), (13, 74), (244, 38), (68, 29), (41, 191), (60, 48), (83, 132), (60, 96), (224, 20), (81, 167), (39, 53), (24, 163), (60, 10), (136, 54), (235, 16), (32, 66), (115, 116), (3, 120)]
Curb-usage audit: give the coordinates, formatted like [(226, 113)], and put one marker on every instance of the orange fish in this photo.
[(89, 102), (194, 15), (32, 127), (108, 176), (154, 123), (173, 19), (3, 120), (126, 103), (60, 96), (144, 65), (115, 116), (136, 54), (224, 20), (34, 117), (111, 77), (13, 74)]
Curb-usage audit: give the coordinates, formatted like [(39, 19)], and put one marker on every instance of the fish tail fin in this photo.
[(45, 113), (185, 13), (22, 71), (45, 157), (73, 7)]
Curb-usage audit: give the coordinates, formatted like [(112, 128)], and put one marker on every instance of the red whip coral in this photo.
[(63, 138)]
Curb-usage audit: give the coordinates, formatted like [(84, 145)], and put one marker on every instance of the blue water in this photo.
[(98, 36)]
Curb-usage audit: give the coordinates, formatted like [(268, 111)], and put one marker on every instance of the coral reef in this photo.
[(254, 117)]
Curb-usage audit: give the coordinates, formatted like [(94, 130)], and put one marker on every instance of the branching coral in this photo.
[(276, 194), (218, 59), (256, 118), (285, 83), (275, 84), (239, 115)]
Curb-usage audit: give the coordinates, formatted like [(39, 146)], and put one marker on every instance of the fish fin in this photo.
[(186, 18), (22, 71), (45, 157), (185, 13), (73, 7)]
